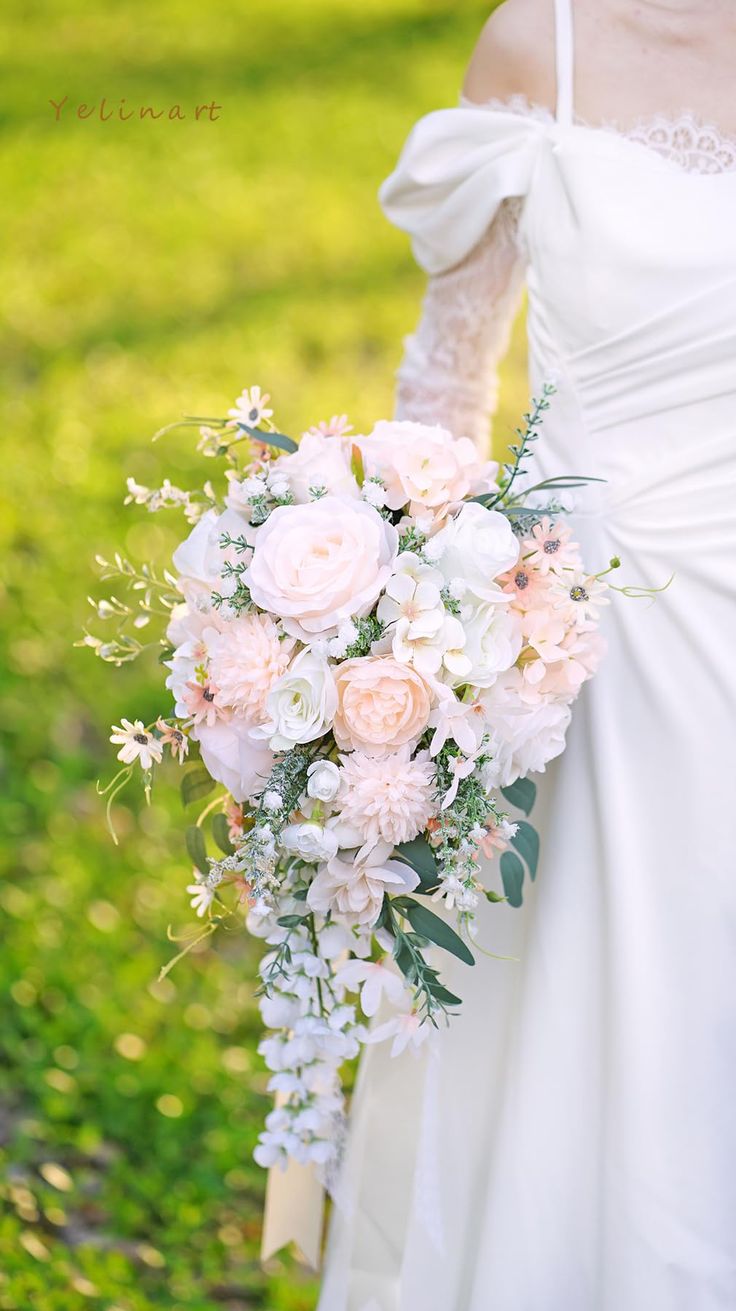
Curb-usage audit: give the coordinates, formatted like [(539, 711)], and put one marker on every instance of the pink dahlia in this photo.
[(390, 799), (246, 659)]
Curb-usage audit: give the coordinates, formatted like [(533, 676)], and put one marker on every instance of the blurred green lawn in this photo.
[(148, 269)]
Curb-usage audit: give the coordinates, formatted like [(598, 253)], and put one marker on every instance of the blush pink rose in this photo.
[(423, 465), (381, 705), (318, 564)]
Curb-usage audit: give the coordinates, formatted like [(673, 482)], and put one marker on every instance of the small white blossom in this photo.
[(228, 585), (374, 492), (278, 486), (202, 896), (273, 800), (432, 550)]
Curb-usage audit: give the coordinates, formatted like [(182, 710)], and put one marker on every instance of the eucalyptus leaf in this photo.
[(440, 993), (220, 832), (419, 855), (430, 926), (278, 439), (512, 874), (195, 784), (526, 841), (521, 794), (194, 838)]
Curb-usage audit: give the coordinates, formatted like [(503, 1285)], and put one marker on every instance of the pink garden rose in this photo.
[(423, 465), (319, 461), (319, 564), (382, 705)]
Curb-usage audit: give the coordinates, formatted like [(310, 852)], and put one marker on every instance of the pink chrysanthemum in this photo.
[(390, 799), (246, 658)]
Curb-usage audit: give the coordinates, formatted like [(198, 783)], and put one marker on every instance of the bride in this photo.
[(569, 1143)]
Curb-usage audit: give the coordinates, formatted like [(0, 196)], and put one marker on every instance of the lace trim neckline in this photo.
[(684, 139)]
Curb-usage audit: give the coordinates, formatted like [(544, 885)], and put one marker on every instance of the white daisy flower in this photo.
[(251, 407), (136, 744)]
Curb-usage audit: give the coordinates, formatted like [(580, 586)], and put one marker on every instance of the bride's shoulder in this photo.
[(514, 54)]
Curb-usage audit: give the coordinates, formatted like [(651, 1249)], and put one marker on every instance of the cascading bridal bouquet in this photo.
[(372, 641)]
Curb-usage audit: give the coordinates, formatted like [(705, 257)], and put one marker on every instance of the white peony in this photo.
[(186, 631), (234, 757), (301, 704), (319, 462), (320, 564), (474, 548)]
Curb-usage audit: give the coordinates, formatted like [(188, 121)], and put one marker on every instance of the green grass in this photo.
[(150, 269)]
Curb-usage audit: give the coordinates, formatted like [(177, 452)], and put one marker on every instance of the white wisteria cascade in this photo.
[(370, 642)]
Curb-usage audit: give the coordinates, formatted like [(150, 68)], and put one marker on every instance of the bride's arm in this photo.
[(449, 370)]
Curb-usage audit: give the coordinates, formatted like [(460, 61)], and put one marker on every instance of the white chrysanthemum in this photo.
[(246, 659), (390, 799)]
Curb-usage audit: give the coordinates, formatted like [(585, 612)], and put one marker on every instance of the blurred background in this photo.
[(152, 268)]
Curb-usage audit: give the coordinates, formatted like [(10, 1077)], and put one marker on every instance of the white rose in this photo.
[(309, 840), (319, 462), (492, 642), (423, 464), (319, 564), (525, 736), (185, 632), (476, 546), (200, 559), (234, 757), (323, 780), (301, 704)]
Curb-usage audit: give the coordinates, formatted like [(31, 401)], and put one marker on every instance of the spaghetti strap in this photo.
[(565, 60)]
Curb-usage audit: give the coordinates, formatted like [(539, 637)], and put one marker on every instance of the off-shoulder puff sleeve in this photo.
[(458, 191), (455, 169)]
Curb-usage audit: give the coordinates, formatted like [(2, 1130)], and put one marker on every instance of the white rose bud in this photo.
[(323, 780), (311, 841)]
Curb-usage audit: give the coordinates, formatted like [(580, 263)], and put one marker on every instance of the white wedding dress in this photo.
[(569, 1144)]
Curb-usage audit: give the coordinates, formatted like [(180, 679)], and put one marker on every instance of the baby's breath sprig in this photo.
[(257, 853), (411, 539), (368, 630)]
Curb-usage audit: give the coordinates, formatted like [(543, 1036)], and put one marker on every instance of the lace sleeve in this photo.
[(448, 373)]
